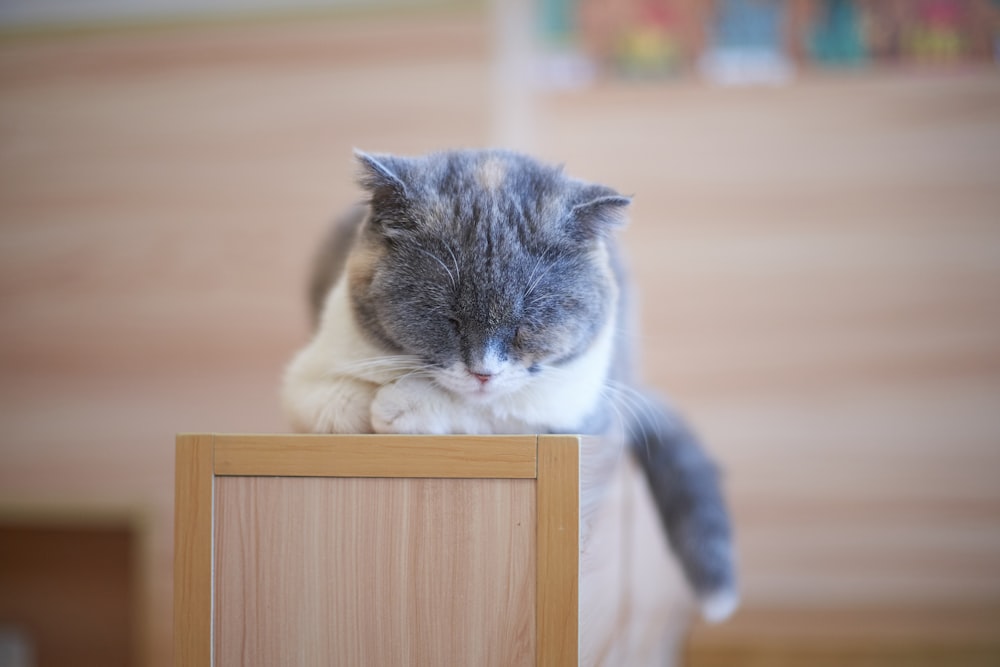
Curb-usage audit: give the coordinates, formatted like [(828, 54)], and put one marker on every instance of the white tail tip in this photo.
[(720, 605)]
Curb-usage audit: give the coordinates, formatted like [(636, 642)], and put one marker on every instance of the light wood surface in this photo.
[(817, 267), (388, 569), (375, 572), (558, 550), (376, 456), (603, 569), (644, 623), (660, 606), (193, 557)]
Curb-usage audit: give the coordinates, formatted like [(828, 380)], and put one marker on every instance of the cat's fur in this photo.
[(481, 292)]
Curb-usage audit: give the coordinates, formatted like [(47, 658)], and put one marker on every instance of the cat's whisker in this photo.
[(638, 406), (454, 260), (653, 409), (539, 300), (627, 424), (444, 266), (406, 376), (424, 371), (387, 357), (535, 280), (388, 364), (643, 405), (348, 368), (623, 425)]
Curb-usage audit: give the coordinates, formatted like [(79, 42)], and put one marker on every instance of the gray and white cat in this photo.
[(481, 292)]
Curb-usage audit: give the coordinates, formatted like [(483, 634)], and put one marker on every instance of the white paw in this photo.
[(719, 605), (340, 405), (406, 407)]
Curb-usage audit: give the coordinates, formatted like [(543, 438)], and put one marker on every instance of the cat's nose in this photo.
[(482, 377)]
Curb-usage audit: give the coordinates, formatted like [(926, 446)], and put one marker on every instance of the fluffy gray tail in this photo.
[(685, 484)]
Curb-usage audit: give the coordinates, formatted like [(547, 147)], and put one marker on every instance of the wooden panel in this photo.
[(376, 456), (193, 551), (350, 571), (634, 603), (558, 549), (659, 603), (602, 573)]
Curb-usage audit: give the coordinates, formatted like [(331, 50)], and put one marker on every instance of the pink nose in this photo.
[(483, 378)]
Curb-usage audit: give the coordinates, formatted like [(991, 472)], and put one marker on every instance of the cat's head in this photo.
[(488, 266)]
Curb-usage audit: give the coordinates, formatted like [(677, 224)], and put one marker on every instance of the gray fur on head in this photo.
[(484, 250)]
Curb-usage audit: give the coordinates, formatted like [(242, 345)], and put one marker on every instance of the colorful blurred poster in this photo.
[(748, 43)]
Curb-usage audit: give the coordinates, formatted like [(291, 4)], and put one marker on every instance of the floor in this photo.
[(818, 267)]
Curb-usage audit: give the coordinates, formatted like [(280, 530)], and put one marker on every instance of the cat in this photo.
[(481, 291)]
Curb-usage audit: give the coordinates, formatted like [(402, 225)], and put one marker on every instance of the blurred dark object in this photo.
[(67, 593)]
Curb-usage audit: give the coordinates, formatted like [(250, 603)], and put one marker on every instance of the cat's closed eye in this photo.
[(518, 338)]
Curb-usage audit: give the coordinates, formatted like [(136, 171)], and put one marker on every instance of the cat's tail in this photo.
[(685, 485)]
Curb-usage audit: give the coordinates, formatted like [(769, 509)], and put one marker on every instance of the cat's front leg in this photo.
[(415, 405), (328, 405)]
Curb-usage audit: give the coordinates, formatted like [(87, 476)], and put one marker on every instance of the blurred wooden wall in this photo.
[(818, 268)]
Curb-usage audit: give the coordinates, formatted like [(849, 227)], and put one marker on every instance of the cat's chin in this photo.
[(473, 391), (483, 394), (479, 394)]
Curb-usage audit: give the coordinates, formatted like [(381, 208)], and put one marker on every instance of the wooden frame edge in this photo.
[(193, 558), (558, 548), (502, 457), (555, 465)]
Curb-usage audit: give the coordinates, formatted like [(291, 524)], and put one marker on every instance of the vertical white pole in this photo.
[(514, 57)]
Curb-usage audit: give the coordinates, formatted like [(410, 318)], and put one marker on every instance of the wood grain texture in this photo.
[(558, 550), (603, 574), (659, 606), (376, 456), (347, 571), (634, 603), (193, 551)]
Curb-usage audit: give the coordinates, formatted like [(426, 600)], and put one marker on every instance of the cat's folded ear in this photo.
[(596, 210), (384, 177)]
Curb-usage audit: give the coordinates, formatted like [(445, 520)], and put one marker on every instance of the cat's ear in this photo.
[(598, 209), (381, 176), (384, 177)]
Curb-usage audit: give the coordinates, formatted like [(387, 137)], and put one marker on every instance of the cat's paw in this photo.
[(407, 407), (337, 405)]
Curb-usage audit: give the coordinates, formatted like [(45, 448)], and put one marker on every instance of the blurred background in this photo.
[(815, 238)]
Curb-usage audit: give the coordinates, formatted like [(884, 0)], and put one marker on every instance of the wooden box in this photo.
[(418, 550)]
